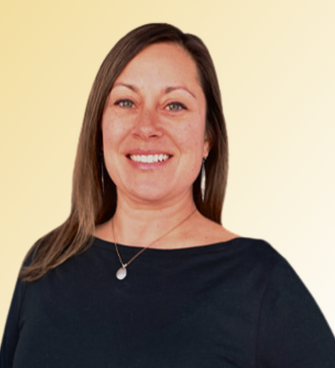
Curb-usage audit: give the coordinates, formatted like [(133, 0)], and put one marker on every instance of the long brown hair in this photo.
[(91, 205)]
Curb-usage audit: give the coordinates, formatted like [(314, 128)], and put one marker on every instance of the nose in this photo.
[(147, 125)]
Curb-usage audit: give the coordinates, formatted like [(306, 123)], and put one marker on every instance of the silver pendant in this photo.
[(121, 273)]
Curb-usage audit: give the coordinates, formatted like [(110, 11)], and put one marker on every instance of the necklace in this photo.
[(122, 271)]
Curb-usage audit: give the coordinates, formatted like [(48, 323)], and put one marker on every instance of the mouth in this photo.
[(149, 159)]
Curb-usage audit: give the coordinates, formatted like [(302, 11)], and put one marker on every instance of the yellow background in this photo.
[(275, 61)]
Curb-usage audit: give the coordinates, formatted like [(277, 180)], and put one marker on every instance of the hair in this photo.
[(91, 203)]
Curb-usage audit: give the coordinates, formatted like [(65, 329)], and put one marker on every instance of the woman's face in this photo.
[(154, 126)]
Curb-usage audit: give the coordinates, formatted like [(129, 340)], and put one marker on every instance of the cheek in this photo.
[(112, 132), (192, 137)]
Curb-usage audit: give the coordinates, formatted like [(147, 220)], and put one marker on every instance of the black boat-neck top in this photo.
[(235, 304)]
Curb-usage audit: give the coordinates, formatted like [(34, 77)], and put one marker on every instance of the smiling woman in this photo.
[(154, 128), (148, 189)]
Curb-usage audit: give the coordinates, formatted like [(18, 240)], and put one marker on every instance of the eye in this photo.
[(176, 106), (126, 104)]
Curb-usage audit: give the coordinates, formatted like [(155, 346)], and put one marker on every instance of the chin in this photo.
[(148, 193)]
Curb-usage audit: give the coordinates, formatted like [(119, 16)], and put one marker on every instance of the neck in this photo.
[(140, 225)]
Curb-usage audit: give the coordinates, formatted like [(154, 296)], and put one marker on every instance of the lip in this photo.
[(139, 151)]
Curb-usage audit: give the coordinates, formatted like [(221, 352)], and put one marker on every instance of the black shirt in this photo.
[(235, 304)]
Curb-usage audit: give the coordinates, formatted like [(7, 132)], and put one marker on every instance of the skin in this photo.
[(157, 106)]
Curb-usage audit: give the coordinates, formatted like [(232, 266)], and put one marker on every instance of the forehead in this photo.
[(162, 62)]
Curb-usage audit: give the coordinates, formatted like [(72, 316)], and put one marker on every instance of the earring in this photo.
[(102, 178), (203, 180)]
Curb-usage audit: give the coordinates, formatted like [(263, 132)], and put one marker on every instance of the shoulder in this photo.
[(291, 326), (204, 231), (201, 231)]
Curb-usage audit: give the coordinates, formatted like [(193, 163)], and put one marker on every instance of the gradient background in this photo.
[(275, 62)]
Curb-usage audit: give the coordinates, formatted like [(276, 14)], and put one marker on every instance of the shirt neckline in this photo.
[(201, 249)]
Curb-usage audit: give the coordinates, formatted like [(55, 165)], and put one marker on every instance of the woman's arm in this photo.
[(12, 328), (292, 330)]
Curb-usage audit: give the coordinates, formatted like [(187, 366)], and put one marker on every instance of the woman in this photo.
[(142, 274)]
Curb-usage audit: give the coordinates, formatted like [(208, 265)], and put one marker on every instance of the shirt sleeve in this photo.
[(12, 328), (292, 331)]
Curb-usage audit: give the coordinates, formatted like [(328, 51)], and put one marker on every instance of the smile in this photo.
[(149, 158)]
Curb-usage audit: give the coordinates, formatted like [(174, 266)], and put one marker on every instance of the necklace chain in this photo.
[(122, 272)]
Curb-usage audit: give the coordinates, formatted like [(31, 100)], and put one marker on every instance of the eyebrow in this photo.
[(171, 89), (166, 90), (130, 86)]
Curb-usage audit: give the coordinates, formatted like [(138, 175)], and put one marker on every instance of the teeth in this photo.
[(149, 158)]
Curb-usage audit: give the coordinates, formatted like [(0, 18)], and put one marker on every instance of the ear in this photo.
[(207, 145)]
